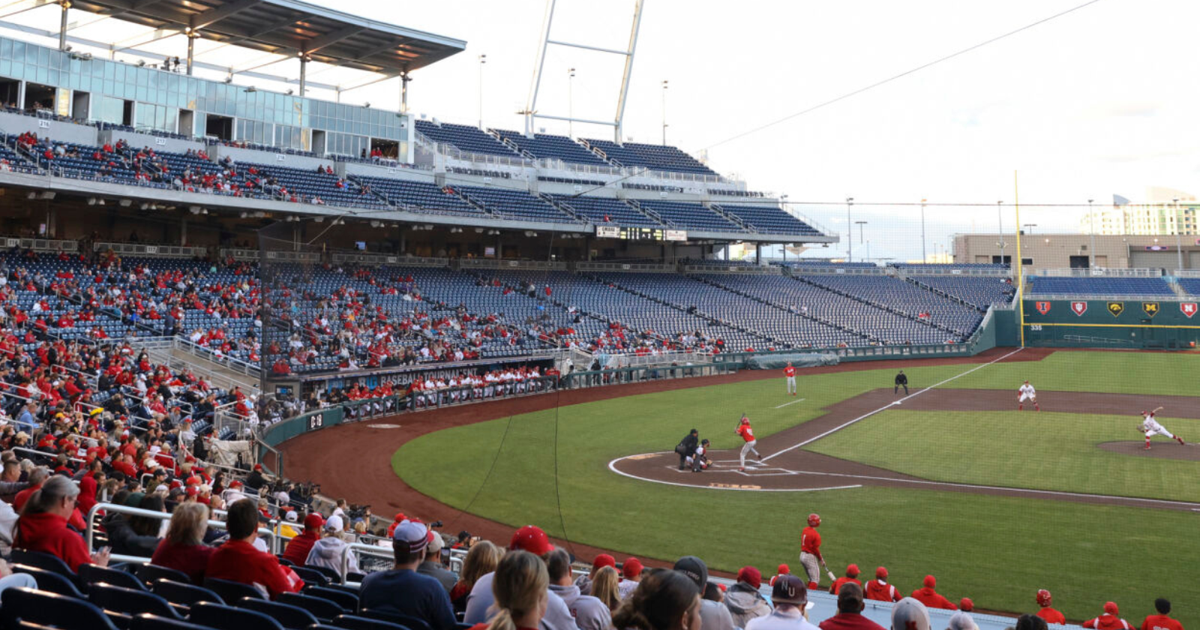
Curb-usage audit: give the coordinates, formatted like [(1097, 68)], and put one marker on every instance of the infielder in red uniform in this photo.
[(790, 373), (810, 552), (1046, 612), (747, 434)]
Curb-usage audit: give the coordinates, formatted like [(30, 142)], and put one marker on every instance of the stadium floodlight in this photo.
[(1178, 234), (1092, 232), (849, 231)]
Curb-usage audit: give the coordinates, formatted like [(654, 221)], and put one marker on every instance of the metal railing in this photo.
[(1099, 272), (234, 365), (89, 534)]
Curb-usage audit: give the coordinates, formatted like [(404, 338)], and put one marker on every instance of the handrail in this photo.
[(370, 550), (89, 534), (44, 453)]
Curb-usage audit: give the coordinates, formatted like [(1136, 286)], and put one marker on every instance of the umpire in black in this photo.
[(687, 446), (901, 381)]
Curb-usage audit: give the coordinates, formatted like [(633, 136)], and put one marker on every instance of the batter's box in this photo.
[(769, 472)]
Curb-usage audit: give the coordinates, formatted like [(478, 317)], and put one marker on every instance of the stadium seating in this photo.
[(512, 203), (1190, 286), (545, 146), (980, 292), (651, 156), (770, 219), (604, 210), (421, 196), (1100, 287), (691, 216), (903, 298), (465, 138)]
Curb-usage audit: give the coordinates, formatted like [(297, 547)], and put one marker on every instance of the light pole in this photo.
[(868, 251), (1029, 228), (482, 61), (1000, 227), (1092, 229), (570, 101), (861, 226), (664, 111), (1178, 234), (923, 258), (849, 231)]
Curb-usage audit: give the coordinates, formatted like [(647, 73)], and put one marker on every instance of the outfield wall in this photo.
[(1116, 323)]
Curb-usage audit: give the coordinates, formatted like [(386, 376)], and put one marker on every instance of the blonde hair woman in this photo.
[(604, 588), (183, 547), (520, 587), (481, 560)]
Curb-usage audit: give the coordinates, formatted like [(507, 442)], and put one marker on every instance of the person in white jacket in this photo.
[(329, 551), (590, 613)]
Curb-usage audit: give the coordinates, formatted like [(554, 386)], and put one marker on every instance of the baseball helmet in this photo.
[(814, 520), (1043, 598), (745, 420), (704, 442)]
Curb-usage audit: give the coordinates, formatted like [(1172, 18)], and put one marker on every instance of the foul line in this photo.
[(888, 406), (1000, 488), (612, 465), (791, 403)]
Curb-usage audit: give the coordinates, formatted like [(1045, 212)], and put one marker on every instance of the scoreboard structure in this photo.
[(640, 234)]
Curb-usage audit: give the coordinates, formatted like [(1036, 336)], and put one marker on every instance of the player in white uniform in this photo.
[(1027, 393), (1151, 427), (698, 460)]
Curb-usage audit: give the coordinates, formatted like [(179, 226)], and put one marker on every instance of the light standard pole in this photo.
[(570, 101), (664, 112), (1092, 229), (1029, 228), (923, 258), (849, 231), (482, 61), (1000, 227), (1178, 234), (861, 226)]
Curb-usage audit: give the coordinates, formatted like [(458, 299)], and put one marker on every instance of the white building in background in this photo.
[(1165, 212)]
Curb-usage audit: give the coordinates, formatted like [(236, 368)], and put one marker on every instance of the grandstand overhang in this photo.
[(290, 28)]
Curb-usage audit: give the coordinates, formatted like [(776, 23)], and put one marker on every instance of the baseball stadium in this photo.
[(302, 327)]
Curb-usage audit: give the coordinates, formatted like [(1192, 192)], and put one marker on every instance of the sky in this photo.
[(1096, 102)]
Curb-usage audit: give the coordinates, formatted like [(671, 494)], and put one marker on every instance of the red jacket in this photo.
[(1049, 615), (1161, 622), (191, 559), (48, 533), (239, 561), (881, 592), (837, 586), (298, 548), (930, 598), (1107, 622)]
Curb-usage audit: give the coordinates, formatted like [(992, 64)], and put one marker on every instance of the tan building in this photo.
[(1062, 251), (1165, 213)]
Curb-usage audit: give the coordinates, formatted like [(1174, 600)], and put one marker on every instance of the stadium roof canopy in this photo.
[(289, 28)]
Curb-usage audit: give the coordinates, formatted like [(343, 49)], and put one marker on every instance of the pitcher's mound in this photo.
[(1161, 450)]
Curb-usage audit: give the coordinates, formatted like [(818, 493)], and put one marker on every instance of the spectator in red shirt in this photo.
[(879, 590), (36, 479), (928, 596), (850, 578), (1161, 621), (43, 525), (239, 561), (183, 548), (850, 606), (298, 547), (1045, 611), (1109, 620)]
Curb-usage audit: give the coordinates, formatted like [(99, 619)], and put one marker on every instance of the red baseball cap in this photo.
[(784, 569), (258, 467), (1110, 608), (966, 604), (632, 568), (930, 581), (852, 570), (193, 481), (750, 576), (400, 517), (314, 521), (881, 573), (193, 491), (531, 538), (604, 560)]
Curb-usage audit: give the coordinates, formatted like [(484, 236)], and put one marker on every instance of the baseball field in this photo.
[(951, 480)]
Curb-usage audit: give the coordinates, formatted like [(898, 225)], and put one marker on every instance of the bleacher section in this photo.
[(465, 138), (652, 156), (514, 204), (1191, 286), (1106, 287), (981, 292), (908, 299), (604, 210), (770, 220), (543, 146), (421, 196), (691, 216), (825, 264), (329, 188)]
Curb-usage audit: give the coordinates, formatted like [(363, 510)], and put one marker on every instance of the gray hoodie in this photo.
[(327, 552), (745, 603), (589, 613)]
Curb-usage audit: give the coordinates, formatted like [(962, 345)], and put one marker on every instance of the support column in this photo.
[(758, 253), (303, 73), (183, 232), (404, 79), (62, 28), (191, 51)]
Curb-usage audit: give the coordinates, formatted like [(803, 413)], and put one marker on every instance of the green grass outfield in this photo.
[(998, 551)]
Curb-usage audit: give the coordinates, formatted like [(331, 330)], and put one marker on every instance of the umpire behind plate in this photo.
[(687, 447)]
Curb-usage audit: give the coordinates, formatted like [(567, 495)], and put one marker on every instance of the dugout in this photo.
[(1118, 323)]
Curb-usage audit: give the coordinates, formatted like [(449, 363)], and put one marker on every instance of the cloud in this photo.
[(1124, 109)]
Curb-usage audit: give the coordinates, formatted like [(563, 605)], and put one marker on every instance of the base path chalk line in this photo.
[(886, 407), (791, 403), (949, 484)]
